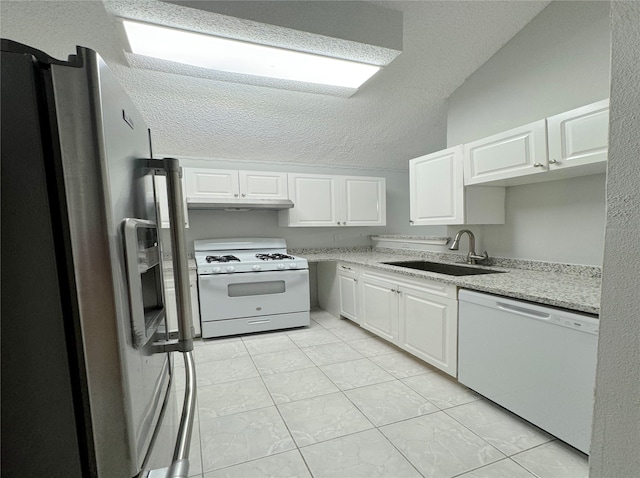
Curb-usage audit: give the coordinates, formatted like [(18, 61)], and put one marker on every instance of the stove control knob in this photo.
[(292, 265), (216, 269), (281, 266), (256, 267), (230, 268)]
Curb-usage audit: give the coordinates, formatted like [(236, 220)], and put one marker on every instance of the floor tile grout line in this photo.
[(506, 412), (344, 393), (284, 422), (251, 461), (523, 467), (476, 434), (282, 417), (541, 445), (400, 451), (481, 467), (198, 414)]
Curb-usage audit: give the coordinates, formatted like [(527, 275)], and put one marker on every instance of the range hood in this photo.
[(236, 204)]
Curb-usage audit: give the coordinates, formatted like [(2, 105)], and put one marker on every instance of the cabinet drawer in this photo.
[(432, 286), (348, 269)]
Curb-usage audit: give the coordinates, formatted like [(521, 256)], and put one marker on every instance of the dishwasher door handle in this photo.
[(533, 314)]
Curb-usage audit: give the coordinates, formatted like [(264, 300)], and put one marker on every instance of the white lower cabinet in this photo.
[(380, 307), (348, 286), (419, 316), (428, 327), (172, 308)]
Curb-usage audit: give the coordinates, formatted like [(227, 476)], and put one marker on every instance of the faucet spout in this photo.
[(472, 257), (455, 245)]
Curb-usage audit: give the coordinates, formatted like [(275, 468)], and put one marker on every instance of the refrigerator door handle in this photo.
[(170, 167), (179, 467), (172, 170)]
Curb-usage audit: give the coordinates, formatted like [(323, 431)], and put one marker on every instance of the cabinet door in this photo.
[(436, 190), (428, 327), (363, 201), (348, 285), (263, 185), (518, 152), (160, 184), (212, 183), (315, 199), (579, 136), (379, 311)]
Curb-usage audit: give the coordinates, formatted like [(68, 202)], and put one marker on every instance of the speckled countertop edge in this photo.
[(574, 291), (413, 238)]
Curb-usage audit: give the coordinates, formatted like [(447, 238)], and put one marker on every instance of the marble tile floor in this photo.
[(333, 400)]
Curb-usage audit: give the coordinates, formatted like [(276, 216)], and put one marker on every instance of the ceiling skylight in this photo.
[(235, 56)]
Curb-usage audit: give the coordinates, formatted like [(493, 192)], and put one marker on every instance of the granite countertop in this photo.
[(570, 287)]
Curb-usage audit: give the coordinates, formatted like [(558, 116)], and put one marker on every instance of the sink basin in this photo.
[(449, 269)]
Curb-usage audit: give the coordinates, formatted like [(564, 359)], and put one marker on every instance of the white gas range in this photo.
[(250, 285)]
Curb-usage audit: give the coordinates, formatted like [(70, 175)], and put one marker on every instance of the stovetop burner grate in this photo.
[(273, 257), (227, 258)]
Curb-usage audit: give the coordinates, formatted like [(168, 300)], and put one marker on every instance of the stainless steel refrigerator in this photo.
[(88, 371)]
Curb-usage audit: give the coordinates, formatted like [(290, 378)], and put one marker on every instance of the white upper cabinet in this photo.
[(437, 195), (160, 185), (315, 201), (263, 185), (324, 200), (436, 188), (212, 183), (569, 144), (518, 152), (363, 201), (579, 137), (203, 184)]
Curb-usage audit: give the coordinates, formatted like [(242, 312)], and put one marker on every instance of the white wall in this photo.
[(616, 427), (559, 61), (556, 221), (206, 224)]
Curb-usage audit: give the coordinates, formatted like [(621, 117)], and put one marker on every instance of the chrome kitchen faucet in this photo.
[(472, 257)]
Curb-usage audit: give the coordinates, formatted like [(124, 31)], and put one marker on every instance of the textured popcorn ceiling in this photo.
[(398, 114)]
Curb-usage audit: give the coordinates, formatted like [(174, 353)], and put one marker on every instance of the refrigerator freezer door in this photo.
[(102, 137), (42, 419)]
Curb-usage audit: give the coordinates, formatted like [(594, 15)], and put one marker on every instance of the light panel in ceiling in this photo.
[(233, 56)]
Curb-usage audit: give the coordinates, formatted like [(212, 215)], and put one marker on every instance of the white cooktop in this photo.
[(232, 255)]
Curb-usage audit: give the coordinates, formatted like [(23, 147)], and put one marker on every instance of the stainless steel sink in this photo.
[(438, 267)]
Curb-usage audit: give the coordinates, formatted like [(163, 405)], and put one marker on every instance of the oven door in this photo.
[(251, 294)]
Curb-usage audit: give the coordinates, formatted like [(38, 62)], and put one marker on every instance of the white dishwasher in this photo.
[(538, 362)]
